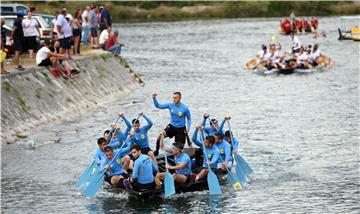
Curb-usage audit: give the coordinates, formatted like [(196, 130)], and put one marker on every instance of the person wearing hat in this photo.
[(64, 32), (18, 37), (115, 173), (182, 160), (214, 124)]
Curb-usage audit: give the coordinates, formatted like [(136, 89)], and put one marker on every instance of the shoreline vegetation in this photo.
[(147, 11)]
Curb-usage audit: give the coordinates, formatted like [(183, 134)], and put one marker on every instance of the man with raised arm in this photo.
[(179, 113)]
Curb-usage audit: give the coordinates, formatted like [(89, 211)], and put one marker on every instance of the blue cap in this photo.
[(21, 13)]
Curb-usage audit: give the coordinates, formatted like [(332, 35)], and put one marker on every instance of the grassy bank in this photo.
[(183, 10)]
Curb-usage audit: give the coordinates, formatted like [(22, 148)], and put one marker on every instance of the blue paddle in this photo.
[(240, 160), (169, 179), (213, 182), (98, 179), (89, 171), (232, 180)]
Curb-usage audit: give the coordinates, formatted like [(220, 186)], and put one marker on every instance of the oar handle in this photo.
[(165, 155)]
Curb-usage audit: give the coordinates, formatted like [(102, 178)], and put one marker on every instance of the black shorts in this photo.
[(45, 62), (179, 133), (145, 150), (18, 45), (76, 32), (108, 178), (65, 43), (30, 42), (188, 178), (93, 32)]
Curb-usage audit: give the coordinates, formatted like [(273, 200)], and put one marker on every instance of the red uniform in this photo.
[(314, 23)]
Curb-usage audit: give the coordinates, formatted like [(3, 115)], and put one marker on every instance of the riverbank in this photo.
[(144, 11), (33, 98)]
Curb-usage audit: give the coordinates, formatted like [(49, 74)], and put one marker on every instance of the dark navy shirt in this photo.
[(105, 14), (19, 33)]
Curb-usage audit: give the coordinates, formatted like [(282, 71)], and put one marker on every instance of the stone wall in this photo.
[(32, 98)]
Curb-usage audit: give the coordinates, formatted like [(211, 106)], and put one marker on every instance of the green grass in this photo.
[(6, 86), (20, 100), (38, 93), (105, 56), (47, 77)]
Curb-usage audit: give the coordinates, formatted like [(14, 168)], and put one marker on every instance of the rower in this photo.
[(314, 55), (120, 137), (182, 160), (302, 59), (179, 113), (296, 43), (234, 143), (141, 136), (214, 125), (143, 173), (225, 151), (115, 173), (99, 152), (212, 152)]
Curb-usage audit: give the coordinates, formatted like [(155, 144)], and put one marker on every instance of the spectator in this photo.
[(85, 25), (76, 28), (105, 18), (63, 64), (31, 29), (3, 42), (53, 27), (18, 37), (113, 45), (45, 57), (93, 27), (64, 32), (104, 36)]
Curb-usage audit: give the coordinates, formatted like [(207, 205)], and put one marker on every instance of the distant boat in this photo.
[(349, 29)]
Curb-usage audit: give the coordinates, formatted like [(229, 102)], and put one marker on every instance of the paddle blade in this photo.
[(241, 161), (232, 180), (240, 175), (169, 185), (213, 184), (95, 183), (86, 175)]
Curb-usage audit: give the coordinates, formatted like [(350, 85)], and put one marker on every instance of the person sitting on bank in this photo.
[(143, 173), (115, 173), (45, 57), (113, 45), (104, 36), (182, 160), (141, 136)]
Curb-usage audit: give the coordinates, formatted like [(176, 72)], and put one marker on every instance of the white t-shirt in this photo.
[(302, 57), (84, 15), (104, 36), (29, 27), (65, 27), (54, 24), (42, 54), (260, 53), (296, 43)]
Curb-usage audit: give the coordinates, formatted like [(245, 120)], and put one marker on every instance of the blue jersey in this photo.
[(98, 155), (115, 166), (183, 158), (225, 151), (141, 136), (235, 145), (144, 167), (119, 137), (211, 131), (213, 153), (178, 113)]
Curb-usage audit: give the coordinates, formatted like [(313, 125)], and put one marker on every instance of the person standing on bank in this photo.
[(30, 28), (17, 35), (179, 113)]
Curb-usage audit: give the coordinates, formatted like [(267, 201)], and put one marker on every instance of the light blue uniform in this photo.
[(235, 144), (144, 167), (211, 131), (98, 155), (115, 167), (213, 154), (178, 113), (119, 137), (141, 136), (225, 151), (183, 158)]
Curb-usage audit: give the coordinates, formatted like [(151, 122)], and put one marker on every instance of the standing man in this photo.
[(105, 17), (18, 37), (64, 32), (85, 25), (179, 112)]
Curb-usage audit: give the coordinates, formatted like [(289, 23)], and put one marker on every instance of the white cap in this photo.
[(69, 16)]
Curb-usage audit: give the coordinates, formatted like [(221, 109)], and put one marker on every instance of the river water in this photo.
[(300, 133)]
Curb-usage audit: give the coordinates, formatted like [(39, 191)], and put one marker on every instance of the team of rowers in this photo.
[(302, 57), (298, 26), (130, 163)]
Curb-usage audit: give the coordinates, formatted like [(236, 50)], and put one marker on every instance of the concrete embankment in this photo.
[(32, 98)]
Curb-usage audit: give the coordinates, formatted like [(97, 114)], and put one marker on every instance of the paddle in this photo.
[(169, 179), (89, 171), (240, 160), (212, 180), (232, 180), (98, 179)]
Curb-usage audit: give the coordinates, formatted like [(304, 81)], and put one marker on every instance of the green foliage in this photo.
[(149, 4), (20, 100), (105, 56), (6, 86)]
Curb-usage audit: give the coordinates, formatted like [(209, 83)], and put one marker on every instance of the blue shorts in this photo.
[(65, 43)]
